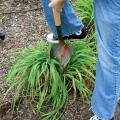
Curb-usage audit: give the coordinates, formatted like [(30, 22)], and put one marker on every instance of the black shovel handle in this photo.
[(57, 20)]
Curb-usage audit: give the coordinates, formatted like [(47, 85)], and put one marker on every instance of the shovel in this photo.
[(60, 51)]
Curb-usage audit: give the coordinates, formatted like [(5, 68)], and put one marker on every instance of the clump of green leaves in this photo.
[(38, 77), (85, 10)]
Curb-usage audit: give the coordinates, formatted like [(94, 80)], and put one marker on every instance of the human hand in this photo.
[(57, 4)]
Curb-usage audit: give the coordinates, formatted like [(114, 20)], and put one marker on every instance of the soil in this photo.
[(24, 24)]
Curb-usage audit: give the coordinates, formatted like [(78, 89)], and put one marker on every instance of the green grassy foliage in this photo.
[(37, 77), (84, 10)]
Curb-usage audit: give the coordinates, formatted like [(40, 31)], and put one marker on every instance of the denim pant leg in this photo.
[(107, 84), (69, 21)]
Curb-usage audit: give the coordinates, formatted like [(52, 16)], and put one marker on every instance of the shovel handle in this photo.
[(57, 20), (57, 17)]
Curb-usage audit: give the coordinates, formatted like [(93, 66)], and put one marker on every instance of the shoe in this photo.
[(2, 36), (96, 118), (78, 35)]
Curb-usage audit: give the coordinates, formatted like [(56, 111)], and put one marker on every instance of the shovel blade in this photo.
[(62, 53)]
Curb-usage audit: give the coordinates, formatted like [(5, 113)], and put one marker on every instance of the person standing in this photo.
[(72, 27)]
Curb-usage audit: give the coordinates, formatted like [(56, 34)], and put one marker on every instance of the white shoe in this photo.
[(50, 38), (80, 35), (94, 118)]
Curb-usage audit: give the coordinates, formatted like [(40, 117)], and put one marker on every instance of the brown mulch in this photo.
[(24, 24)]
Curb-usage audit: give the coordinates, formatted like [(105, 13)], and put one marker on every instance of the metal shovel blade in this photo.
[(62, 53)]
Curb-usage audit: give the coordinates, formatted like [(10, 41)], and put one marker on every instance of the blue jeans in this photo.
[(107, 84), (107, 22), (69, 21)]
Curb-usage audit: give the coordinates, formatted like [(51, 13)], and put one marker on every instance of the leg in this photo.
[(70, 23), (107, 84)]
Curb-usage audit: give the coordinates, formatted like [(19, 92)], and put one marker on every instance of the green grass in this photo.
[(84, 10), (37, 77)]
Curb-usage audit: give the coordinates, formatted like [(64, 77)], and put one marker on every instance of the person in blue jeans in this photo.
[(72, 28), (107, 23)]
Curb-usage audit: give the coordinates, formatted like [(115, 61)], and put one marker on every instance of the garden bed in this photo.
[(23, 29)]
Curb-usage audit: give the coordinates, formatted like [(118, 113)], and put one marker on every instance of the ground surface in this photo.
[(23, 29)]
